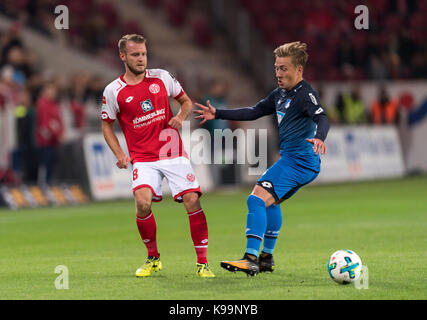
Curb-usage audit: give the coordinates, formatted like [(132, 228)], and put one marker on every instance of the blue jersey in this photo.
[(299, 117)]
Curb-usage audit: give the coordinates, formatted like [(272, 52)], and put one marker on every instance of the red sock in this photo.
[(147, 230), (199, 234)]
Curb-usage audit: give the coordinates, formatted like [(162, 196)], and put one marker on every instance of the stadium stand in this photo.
[(395, 29), (199, 41)]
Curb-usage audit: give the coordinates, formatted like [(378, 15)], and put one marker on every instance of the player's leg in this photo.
[(186, 189), (147, 229), (263, 196), (256, 224), (199, 232), (145, 220), (274, 223), (291, 180), (198, 225), (147, 189), (256, 221)]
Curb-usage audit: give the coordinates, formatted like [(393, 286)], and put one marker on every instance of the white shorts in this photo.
[(178, 173)]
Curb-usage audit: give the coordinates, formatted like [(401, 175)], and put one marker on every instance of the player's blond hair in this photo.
[(296, 50), (137, 38)]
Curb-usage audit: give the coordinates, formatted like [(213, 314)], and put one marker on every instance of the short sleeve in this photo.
[(312, 105), (315, 111), (173, 86), (109, 106)]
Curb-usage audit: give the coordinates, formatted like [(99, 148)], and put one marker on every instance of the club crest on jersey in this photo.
[(146, 105), (154, 88), (288, 103), (280, 116), (191, 177)]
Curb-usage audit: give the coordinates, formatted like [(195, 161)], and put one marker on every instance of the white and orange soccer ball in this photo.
[(344, 266)]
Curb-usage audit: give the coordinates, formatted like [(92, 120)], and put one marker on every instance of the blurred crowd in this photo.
[(96, 25), (38, 100), (393, 47), (45, 140), (350, 108)]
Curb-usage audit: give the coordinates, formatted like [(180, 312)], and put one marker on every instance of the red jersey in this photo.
[(144, 112)]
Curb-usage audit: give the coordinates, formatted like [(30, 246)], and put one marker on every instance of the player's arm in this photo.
[(185, 110), (109, 112), (262, 108), (112, 141), (317, 114)]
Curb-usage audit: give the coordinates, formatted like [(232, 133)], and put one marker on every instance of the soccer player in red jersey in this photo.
[(139, 100)]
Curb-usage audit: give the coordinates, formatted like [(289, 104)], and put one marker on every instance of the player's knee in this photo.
[(191, 200), (143, 207), (254, 200)]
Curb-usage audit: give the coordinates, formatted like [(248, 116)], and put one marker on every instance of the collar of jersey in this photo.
[(123, 80), (298, 86)]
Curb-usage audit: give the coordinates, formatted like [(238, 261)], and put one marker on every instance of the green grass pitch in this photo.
[(385, 222)]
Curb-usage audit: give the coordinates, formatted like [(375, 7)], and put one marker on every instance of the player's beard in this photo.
[(135, 71)]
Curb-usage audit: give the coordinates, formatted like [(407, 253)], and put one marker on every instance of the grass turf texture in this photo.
[(385, 222)]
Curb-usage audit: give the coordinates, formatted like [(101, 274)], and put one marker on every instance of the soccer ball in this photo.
[(344, 266)]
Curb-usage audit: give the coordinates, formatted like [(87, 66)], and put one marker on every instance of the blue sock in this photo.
[(256, 224), (274, 222)]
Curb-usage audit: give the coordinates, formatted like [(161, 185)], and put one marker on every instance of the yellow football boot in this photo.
[(204, 271), (152, 264)]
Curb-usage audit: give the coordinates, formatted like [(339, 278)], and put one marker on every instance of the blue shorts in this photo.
[(284, 178)]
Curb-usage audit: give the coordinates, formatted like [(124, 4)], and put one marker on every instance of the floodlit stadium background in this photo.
[(369, 197), (221, 50)]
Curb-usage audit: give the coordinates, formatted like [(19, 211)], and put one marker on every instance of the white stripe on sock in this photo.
[(145, 218), (193, 213)]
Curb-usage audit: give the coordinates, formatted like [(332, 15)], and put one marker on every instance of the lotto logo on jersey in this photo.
[(146, 105)]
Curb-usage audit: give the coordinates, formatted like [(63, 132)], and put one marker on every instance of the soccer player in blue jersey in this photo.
[(303, 126)]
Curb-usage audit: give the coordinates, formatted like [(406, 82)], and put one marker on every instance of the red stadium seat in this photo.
[(131, 26), (422, 6), (202, 32), (419, 36), (20, 4), (418, 21), (176, 11), (269, 25), (393, 23), (379, 5), (110, 14), (152, 3), (257, 7)]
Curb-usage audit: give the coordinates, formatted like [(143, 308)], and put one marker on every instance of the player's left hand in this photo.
[(318, 145), (175, 122)]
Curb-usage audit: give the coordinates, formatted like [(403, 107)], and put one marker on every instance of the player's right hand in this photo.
[(123, 162), (206, 113), (318, 145)]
